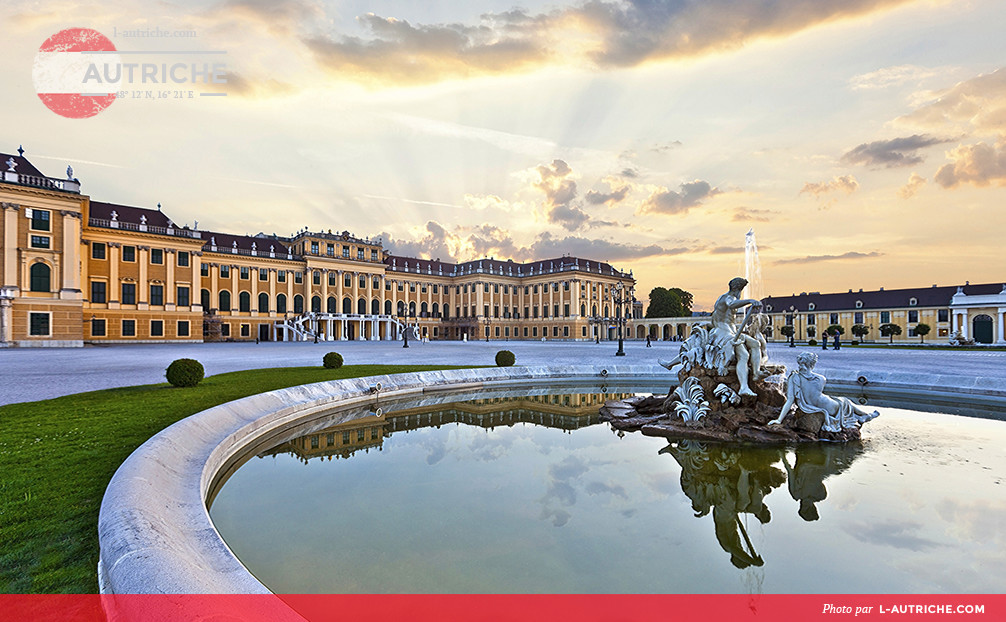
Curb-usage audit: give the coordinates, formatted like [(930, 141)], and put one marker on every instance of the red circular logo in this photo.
[(67, 73)]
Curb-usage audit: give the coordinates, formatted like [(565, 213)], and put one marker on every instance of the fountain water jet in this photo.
[(752, 267)]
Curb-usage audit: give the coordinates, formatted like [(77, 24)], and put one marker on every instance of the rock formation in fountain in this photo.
[(727, 390)]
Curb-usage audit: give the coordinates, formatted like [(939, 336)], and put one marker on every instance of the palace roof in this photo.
[(934, 296)]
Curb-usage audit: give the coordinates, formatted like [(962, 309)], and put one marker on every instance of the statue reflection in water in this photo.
[(728, 481)]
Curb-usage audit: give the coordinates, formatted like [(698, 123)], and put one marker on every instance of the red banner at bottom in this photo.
[(496, 608)]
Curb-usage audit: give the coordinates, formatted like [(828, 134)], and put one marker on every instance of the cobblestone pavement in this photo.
[(35, 374)]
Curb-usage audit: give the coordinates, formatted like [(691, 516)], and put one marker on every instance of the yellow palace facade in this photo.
[(80, 271)]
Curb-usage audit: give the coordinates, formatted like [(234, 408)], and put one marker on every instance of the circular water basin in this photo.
[(522, 490)]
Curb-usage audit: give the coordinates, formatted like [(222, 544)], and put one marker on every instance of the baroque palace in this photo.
[(76, 270)]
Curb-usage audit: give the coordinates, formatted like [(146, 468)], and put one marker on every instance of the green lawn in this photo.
[(57, 456)]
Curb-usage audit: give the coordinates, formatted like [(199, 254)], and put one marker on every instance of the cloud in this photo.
[(559, 188), (630, 173), (617, 195), (915, 182), (726, 250), (546, 246), (665, 201), (434, 245), (976, 105), (845, 183), (892, 153), (817, 258), (281, 16), (890, 76), (746, 214), (600, 488), (980, 164), (593, 33)]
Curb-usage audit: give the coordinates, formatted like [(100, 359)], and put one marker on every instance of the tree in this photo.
[(787, 331), (835, 329), (922, 330), (811, 331), (860, 330), (890, 330), (674, 302)]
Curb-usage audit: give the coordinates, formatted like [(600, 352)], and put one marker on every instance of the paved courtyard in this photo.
[(35, 374)]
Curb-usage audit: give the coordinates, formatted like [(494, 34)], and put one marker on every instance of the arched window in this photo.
[(401, 307), (412, 309), (333, 304), (375, 307), (387, 307), (244, 302), (436, 310), (347, 305), (593, 310), (263, 303), (583, 310), (280, 303), (41, 278), (204, 299), (316, 304), (423, 310), (298, 304), (361, 306), (224, 301)]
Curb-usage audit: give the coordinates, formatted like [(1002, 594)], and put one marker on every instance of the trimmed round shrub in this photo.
[(185, 372), (812, 342), (505, 358), (332, 360)]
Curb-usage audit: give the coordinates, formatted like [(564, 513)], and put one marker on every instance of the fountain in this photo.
[(728, 392)]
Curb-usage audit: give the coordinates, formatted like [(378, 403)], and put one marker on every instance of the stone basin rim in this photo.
[(155, 532)]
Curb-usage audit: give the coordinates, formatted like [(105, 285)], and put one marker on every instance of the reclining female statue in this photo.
[(805, 389)]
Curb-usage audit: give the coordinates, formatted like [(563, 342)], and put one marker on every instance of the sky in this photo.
[(864, 141)]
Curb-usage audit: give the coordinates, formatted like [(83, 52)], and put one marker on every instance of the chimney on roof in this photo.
[(850, 291), (861, 289), (934, 284), (881, 289)]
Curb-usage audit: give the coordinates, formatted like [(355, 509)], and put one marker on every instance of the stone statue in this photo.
[(746, 348), (69, 172), (11, 165), (805, 390)]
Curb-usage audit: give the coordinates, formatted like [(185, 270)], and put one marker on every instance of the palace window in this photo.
[(565, 310), (183, 259), (555, 310), (97, 328), (424, 288), (40, 241), (885, 317), (314, 249), (359, 253), (183, 328), (376, 282), (281, 276), (943, 315), (128, 294), (224, 301), (496, 288), (280, 303), (330, 250), (204, 269), (156, 256), (857, 317), (913, 315), (485, 288), (99, 292), (182, 296), (244, 302), (245, 273), (345, 252), (40, 220), (128, 328), (412, 287), (128, 253), (157, 295), (246, 330), (565, 331), (316, 277), (298, 277), (225, 330), (38, 324), (485, 310), (833, 318), (373, 255), (156, 328), (811, 319), (263, 274), (97, 250), (363, 281), (225, 272), (347, 280)]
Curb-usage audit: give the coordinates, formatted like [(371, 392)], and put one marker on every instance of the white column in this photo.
[(962, 323), (1002, 326)]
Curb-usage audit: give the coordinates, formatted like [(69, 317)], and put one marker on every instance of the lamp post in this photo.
[(488, 322), (618, 299), (792, 316)]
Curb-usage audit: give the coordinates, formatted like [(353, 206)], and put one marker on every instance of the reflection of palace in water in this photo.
[(565, 412), (730, 481)]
